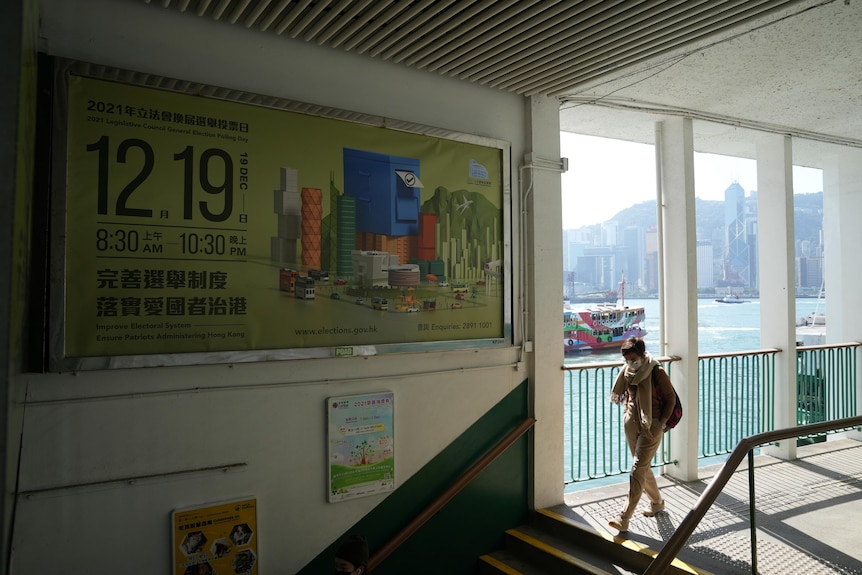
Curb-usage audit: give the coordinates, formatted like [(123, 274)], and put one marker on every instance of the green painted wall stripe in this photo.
[(473, 522)]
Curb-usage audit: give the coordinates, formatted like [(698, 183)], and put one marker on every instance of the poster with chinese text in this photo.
[(361, 445), (216, 539), (204, 225)]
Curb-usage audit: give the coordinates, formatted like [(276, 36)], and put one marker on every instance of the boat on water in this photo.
[(600, 326), (811, 329), (730, 298)]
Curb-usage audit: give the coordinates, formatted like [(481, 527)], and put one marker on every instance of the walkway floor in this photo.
[(809, 517)]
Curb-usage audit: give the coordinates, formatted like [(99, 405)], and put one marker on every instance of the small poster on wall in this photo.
[(220, 538), (361, 445)]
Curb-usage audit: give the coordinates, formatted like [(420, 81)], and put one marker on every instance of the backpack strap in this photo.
[(655, 387)]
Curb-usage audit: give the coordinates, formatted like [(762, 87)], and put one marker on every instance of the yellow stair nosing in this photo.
[(627, 543), (550, 550), (500, 565)]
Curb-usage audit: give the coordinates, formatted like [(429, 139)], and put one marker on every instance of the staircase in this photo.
[(553, 544)]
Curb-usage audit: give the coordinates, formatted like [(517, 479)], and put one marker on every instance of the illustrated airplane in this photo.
[(463, 206)]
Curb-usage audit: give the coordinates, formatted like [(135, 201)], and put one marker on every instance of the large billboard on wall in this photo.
[(197, 225)]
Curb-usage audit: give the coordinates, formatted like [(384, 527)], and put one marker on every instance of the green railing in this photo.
[(736, 400), (595, 443), (826, 384), (736, 395)]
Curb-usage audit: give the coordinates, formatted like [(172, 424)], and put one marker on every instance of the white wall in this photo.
[(97, 426)]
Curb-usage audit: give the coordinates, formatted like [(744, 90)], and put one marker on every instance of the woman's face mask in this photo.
[(634, 364)]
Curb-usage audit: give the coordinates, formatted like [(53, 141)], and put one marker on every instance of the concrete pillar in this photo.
[(842, 236), (541, 253), (777, 276), (678, 281)]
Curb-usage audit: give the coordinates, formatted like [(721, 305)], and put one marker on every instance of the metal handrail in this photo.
[(435, 506), (619, 363), (711, 493)]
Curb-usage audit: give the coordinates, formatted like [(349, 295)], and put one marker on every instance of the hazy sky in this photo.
[(606, 176)]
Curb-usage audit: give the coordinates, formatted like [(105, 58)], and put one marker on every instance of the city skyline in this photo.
[(595, 257), (606, 176)]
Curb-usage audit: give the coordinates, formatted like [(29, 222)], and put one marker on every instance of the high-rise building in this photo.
[(635, 256), (809, 272), (737, 260), (705, 257)]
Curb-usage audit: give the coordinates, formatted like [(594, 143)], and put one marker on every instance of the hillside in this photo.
[(709, 216)]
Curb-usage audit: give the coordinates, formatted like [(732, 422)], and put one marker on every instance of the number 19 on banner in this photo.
[(210, 171)]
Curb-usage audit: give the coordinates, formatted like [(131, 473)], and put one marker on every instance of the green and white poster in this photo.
[(361, 445), (197, 224)]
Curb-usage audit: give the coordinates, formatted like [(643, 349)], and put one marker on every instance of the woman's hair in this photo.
[(355, 550), (633, 345)]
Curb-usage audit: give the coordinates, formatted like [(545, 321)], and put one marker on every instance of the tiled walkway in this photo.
[(809, 514)]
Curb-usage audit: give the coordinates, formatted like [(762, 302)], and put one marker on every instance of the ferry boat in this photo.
[(600, 326), (730, 298)]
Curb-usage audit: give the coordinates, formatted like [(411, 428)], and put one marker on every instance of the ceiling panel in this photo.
[(785, 66), (530, 47)]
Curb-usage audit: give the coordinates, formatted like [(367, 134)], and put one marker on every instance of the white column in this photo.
[(542, 256), (678, 276), (776, 272), (842, 238)]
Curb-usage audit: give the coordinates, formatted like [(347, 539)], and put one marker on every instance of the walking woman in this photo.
[(645, 416)]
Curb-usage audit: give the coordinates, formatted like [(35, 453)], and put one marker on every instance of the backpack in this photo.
[(676, 414)]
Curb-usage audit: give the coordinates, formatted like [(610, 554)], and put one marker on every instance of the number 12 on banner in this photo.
[(211, 164)]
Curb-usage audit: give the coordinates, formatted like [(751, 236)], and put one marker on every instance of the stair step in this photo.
[(558, 555), (504, 562), (556, 544), (631, 553)]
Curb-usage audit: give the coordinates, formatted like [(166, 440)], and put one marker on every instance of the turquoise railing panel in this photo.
[(736, 399), (596, 443), (826, 383)]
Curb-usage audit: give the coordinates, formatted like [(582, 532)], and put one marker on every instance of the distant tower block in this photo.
[(398, 246), (287, 205), (312, 213), (345, 235), (427, 239), (364, 241)]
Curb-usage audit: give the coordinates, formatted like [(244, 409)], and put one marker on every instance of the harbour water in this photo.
[(722, 327)]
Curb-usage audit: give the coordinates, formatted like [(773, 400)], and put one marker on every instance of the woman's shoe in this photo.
[(621, 523), (654, 508)]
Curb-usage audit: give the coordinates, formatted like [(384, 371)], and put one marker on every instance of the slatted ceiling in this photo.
[(435, 32), (610, 41), (530, 47), (392, 28), (420, 23), (359, 28), (483, 40), (486, 49), (621, 53)]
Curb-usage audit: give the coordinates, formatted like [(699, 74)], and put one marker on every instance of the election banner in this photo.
[(197, 224)]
